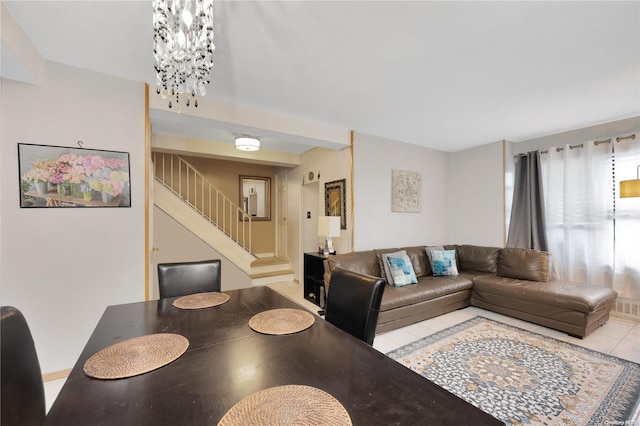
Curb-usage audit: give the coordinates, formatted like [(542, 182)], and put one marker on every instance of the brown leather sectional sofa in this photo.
[(514, 282)]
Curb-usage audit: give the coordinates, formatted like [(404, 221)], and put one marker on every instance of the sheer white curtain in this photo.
[(627, 249), (578, 183)]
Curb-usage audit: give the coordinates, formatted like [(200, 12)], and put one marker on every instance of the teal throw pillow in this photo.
[(400, 268), (443, 262)]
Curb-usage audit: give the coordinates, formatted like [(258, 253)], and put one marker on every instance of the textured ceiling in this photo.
[(447, 75)]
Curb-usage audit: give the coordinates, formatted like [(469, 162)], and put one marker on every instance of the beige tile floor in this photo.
[(618, 337)]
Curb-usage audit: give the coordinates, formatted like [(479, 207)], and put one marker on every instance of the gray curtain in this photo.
[(527, 227)]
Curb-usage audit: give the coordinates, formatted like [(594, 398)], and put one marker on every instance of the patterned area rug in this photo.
[(521, 377)]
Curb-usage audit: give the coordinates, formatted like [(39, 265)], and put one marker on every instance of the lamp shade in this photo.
[(329, 226), (247, 143), (630, 188)]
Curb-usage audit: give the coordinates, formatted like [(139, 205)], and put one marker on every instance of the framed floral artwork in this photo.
[(58, 176)]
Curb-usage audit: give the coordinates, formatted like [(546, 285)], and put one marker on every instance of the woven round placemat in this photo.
[(201, 300), (281, 321), (136, 356), (287, 405)]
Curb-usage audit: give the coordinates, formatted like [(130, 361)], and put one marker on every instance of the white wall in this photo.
[(376, 226), (476, 196), (62, 267), (332, 165)]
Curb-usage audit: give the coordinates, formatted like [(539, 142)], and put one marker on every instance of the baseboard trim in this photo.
[(56, 375)]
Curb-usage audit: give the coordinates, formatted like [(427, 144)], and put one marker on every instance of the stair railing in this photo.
[(184, 180)]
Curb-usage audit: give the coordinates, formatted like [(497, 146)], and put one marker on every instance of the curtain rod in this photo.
[(621, 138), (632, 136), (562, 148)]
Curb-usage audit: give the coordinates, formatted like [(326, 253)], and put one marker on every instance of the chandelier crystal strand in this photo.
[(183, 48)]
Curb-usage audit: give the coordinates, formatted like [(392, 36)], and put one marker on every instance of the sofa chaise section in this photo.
[(575, 308)]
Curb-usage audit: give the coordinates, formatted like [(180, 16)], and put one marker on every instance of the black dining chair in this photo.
[(183, 278), (21, 386), (353, 303)]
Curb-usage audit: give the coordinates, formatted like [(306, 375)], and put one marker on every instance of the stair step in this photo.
[(271, 274), (269, 261)]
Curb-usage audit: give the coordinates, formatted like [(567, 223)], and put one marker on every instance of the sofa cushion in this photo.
[(443, 262), (398, 269), (419, 260), (427, 288), (524, 264), (478, 259)]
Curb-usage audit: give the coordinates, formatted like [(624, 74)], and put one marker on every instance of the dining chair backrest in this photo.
[(21, 387), (183, 278), (353, 303)]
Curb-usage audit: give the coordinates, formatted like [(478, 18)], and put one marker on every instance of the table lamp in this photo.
[(329, 226)]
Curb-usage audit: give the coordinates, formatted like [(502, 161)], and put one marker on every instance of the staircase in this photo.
[(183, 193)]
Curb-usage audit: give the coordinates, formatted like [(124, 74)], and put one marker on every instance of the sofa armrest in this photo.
[(362, 262)]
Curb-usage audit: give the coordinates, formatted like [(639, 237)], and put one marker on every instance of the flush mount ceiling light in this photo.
[(183, 48), (247, 143)]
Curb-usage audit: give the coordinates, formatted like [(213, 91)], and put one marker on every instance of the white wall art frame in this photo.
[(406, 191)]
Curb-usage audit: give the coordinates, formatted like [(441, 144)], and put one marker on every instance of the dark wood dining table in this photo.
[(227, 361)]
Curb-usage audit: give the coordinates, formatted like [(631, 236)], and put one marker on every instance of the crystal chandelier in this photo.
[(183, 48)]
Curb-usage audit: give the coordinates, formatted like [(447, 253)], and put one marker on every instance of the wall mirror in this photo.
[(335, 201), (255, 197)]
